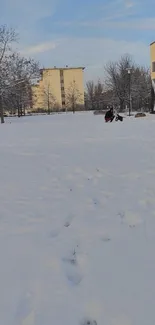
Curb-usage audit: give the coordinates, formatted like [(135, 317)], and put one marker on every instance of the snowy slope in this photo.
[(77, 221)]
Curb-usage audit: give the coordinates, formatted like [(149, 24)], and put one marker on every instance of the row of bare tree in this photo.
[(124, 81), (16, 75)]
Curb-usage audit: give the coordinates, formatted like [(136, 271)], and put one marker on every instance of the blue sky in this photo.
[(85, 32)]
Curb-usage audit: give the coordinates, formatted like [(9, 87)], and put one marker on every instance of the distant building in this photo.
[(152, 53), (59, 89)]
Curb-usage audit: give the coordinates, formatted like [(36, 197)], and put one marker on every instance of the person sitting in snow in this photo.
[(109, 115)]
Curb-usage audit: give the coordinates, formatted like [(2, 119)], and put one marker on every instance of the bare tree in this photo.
[(125, 87), (18, 97), (49, 98), (141, 87), (91, 94), (16, 75), (110, 99), (73, 97), (22, 72), (98, 95), (7, 37), (117, 78)]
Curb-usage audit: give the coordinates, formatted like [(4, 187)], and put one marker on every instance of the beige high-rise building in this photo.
[(59, 88), (152, 53)]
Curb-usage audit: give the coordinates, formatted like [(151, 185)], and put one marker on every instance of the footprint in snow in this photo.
[(71, 269), (54, 233), (105, 238), (121, 215), (68, 221), (71, 258), (74, 276), (67, 224), (96, 202)]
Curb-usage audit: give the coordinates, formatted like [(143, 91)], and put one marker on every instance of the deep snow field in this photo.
[(77, 221)]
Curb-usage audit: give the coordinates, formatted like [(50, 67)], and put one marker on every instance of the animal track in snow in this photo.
[(132, 219), (121, 214), (88, 321)]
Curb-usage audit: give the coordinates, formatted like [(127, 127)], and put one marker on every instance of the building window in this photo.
[(63, 103), (61, 73), (63, 95), (153, 66), (62, 88)]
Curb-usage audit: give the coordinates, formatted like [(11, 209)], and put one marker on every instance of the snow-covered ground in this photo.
[(77, 221)]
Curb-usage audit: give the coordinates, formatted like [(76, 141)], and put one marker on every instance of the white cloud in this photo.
[(39, 48), (93, 53), (136, 24), (110, 23), (118, 5)]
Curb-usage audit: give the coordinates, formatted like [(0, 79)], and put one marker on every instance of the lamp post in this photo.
[(129, 74)]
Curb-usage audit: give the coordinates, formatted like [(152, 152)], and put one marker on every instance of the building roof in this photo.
[(63, 68), (152, 43)]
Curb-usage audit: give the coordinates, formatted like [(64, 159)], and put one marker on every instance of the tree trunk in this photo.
[(24, 110), (1, 109), (122, 105), (18, 111), (48, 109), (19, 108), (48, 102)]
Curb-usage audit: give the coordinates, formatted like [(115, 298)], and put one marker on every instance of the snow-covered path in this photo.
[(77, 221)]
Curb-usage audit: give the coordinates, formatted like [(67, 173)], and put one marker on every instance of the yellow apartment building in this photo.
[(59, 88), (152, 53)]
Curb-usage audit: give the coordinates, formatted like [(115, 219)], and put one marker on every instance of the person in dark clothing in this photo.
[(109, 115)]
